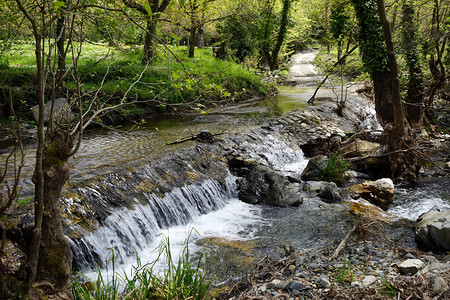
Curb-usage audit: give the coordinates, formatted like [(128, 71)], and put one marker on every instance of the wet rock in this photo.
[(411, 266), (315, 167), (433, 229), (266, 185), (379, 192), (317, 186), (330, 194)]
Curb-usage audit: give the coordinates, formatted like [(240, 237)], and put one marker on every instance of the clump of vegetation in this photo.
[(181, 279), (344, 273), (335, 168), (388, 289)]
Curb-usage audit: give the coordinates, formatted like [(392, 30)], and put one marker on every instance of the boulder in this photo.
[(330, 194), (61, 111), (433, 230), (379, 192), (411, 266), (315, 167), (265, 185), (360, 148), (315, 187)]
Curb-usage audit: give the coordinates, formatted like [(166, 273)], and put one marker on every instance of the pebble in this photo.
[(368, 280), (324, 282), (439, 285)]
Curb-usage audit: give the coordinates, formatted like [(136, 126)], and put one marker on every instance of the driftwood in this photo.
[(204, 136), (340, 61)]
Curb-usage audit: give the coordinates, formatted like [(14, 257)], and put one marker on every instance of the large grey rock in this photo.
[(330, 194), (433, 230), (267, 186), (411, 266), (379, 192), (315, 167), (61, 111)]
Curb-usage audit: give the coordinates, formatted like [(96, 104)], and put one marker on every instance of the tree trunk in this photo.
[(414, 97), (55, 255), (395, 83), (281, 34), (60, 37), (149, 50), (201, 36), (383, 97), (192, 38)]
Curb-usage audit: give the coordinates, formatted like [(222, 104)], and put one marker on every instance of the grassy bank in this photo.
[(170, 80)]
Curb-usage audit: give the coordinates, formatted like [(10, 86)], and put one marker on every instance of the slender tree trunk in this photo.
[(60, 37), (38, 176), (414, 97), (192, 38), (149, 51), (201, 36), (281, 34)]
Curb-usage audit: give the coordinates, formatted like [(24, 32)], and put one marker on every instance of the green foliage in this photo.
[(387, 289), (168, 80), (370, 36), (341, 19), (181, 279), (335, 168), (344, 273)]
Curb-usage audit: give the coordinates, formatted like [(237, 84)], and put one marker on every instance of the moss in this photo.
[(52, 156), (55, 265)]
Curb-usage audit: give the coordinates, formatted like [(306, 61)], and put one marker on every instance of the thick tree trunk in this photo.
[(55, 263), (55, 255), (383, 97)]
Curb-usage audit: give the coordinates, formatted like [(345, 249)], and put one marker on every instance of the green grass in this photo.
[(181, 279), (171, 78), (335, 168), (345, 272)]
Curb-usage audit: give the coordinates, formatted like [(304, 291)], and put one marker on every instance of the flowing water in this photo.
[(211, 209)]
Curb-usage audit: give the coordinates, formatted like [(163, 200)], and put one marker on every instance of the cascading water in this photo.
[(131, 231), (211, 209)]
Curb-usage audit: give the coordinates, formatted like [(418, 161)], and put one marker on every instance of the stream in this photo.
[(209, 207)]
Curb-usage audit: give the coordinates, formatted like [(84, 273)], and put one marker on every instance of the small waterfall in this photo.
[(278, 153), (131, 231)]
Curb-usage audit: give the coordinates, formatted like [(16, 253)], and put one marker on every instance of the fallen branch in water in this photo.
[(204, 136)]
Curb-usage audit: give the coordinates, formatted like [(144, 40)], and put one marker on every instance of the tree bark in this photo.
[(192, 38), (201, 36), (149, 51), (55, 255), (393, 73)]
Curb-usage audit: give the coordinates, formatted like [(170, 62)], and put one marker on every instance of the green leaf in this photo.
[(58, 4), (148, 9)]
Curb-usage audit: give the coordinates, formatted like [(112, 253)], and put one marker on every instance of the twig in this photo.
[(343, 243)]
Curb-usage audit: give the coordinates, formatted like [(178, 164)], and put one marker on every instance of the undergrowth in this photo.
[(181, 279), (170, 78), (335, 168)]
